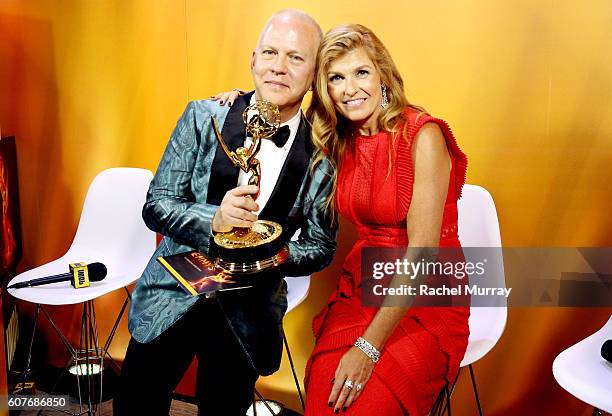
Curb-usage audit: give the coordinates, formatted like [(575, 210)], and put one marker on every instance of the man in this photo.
[(237, 335)]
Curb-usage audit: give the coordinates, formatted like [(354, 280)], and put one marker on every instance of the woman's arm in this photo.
[(431, 175), (432, 167)]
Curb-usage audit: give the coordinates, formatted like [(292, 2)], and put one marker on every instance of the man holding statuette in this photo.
[(204, 190)]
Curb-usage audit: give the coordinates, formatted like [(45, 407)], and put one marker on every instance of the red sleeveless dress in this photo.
[(425, 350)]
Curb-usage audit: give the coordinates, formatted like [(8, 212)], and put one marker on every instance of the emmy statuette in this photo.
[(259, 248)]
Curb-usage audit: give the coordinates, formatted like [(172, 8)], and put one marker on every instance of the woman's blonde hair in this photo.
[(326, 123)]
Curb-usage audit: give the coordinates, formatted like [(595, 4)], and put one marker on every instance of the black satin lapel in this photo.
[(223, 174), (291, 176)]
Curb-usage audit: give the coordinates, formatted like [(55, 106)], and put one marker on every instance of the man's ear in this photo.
[(252, 60)]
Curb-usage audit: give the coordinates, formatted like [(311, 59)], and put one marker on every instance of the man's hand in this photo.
[(236, 210)]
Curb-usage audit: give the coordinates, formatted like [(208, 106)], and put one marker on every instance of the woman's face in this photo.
[(354, 85)]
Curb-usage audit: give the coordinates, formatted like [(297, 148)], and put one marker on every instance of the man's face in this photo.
[(283, 63)]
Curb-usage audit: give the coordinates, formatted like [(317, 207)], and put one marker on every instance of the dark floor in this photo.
[(66, 387), (179, 408), (54, 379)]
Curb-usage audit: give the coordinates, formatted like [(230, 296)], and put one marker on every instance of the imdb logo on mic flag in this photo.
[(80, 275)]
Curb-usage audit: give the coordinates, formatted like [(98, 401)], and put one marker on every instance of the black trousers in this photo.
[(151, 371)]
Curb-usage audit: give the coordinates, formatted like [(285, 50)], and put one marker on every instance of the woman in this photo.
[(400, 173)]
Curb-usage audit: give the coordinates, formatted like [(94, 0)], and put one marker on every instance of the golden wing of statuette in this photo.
[(232, 155)]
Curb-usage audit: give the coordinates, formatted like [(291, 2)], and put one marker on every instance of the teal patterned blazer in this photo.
[(193, 176)]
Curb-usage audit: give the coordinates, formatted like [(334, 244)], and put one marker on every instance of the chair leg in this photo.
[(445, 393), (448, 402), (295, 378), (263, 400), (434, 408), (94, 345), (475, 390), (62, 337), (455, 382), (89, 343), (442, 403), (111, 336), (26, 370), (62, 374)]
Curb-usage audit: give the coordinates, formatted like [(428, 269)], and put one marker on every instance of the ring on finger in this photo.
[(358, 387), (348, 384)]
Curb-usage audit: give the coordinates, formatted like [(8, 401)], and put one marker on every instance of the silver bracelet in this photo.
[(368, 349)]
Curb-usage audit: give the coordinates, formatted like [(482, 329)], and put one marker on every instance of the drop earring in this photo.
[(384, 102)]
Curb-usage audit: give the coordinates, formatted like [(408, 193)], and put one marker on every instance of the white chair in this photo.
[(297, 287), (583, 372), (297, 291), (110, 231), (479, 227)]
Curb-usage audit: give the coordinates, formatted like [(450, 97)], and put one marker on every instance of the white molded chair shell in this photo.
[(582, 371), (297, 287), (110, 231), (297, 290), (479, 227)]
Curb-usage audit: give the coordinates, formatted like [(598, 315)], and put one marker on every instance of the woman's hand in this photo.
[(355, 367), (228, 96)]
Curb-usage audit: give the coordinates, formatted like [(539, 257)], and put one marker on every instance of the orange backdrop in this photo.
[(525, 85)]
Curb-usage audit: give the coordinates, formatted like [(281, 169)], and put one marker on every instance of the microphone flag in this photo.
[(80, 275)]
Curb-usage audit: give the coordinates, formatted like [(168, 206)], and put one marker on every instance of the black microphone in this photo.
[(80, 275), (606, 351)]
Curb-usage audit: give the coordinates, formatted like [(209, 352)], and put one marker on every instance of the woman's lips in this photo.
[(354, 102)]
